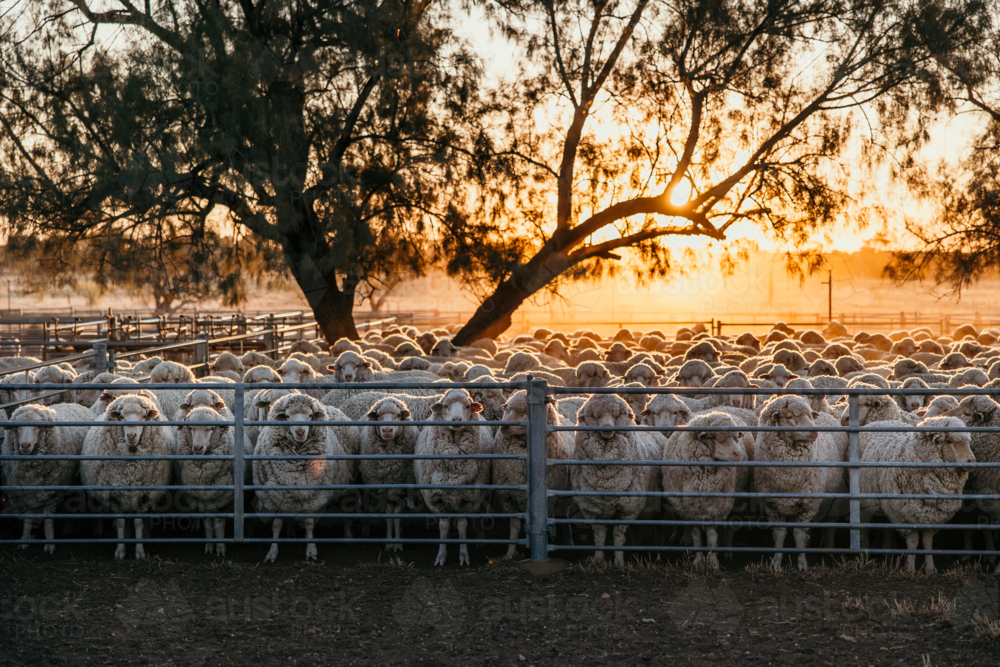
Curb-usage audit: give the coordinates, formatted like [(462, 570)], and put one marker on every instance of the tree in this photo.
[(315, 127), (632, 121), (961, 243)]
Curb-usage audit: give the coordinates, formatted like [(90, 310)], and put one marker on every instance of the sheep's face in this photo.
[(203, 437), (134, 416), (389, 411), (27, 439), (443, 348), (591, 375), (974, 410), (606, 411), (293, 372), (348, 370), (300, 432), (265, 399), (456, 406), (868, 408), (643, 375), (674, 414), (515, 409), (723, 445), (798, 414), (913, 403), (492, 401), (951, 447), (941, 406), (821, 368), (202, 398), (780, 376)]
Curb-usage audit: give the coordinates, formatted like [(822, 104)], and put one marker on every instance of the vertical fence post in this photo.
[(239, 464), (853, 472), (100, 358), (537, 524), (201, 355)]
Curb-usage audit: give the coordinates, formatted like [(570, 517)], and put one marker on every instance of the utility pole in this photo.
[(829, 295)]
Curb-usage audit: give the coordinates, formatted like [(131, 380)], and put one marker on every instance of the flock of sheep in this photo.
[(781, 359)]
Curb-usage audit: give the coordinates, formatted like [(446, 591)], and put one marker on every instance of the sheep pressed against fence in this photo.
[(537, 512)]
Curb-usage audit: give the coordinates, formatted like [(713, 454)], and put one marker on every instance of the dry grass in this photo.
[(985, 628), (941, 606), (392, 563)]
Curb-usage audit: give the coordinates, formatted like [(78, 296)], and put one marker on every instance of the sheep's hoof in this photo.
[(50, 548), (965, 559), (395, 547), (713, 562), (22, 546), (439, 560), (599, 557), (120, 552), (803, 565), (620, 561), (776, 562), (220, 549), (272, 554), (209, 548), (510, 554), (139, 551), (311, 552), (463, 556)]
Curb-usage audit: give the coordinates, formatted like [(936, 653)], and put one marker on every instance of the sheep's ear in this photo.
[(373, 416), (114, 415), (815, 415), (261, 403), (702, 434), (644, 413), (319, 416), (331, 367), (404, 414), (145, 392), (106, 397), (280, 371), (153, 414), (185, 407), (220, 405), (306, 371), (921, 413), (437, 407), (223, 428), (477, 407), (754, 386), (877, 403), (367, 364), (793, 377), (936, 437), (281, 416)]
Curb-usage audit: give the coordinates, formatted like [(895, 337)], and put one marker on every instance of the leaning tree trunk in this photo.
[(493, 316)]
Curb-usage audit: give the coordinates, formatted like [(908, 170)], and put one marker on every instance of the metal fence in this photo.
[(537, 519)]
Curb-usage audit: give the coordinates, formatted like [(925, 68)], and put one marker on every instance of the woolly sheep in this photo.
[(701, 443), (54, 440), (953, 361), (305, 346), (790, 359), (805, 445), (608, 411), (207, 440), (568, 407), (414, 364), (313, 438), (11, 395), (251, 359), (971, 376), (116, 390), (982, 412), (384, 439), (146, 366), (592, 374), (86, 397), (294, 371), (821, 367), (352, 367), (778, 374), (703, 351), (913, 403), (694, 373), (134, 431), (443, 348), (925, 447), (456, 405), (169, 372), (54, 375), (227, 361), (939, 406), (511, 440), (342, 345)]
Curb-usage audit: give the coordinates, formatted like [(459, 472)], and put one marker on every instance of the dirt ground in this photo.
[(359, 606)]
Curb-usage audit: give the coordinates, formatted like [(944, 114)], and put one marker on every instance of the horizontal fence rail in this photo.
[(538, 499)]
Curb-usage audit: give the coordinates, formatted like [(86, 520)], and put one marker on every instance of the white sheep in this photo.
[(609, 411), (384, 439), (54, 375), (456, 405), (207, 440), (307, 439), (134, 431), (803, 445), (701, 443), (925, 447), (54, 440), (511, 440)]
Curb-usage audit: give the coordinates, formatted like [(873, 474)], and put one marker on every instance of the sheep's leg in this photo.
[(209, 534), (50, 534), (515, 532), (120, 551), (801, 536), (25, 534), (619, 538), (220, 534), (712, 536), (912, 538), (966, 543), (139, 551), (569, 534), (348, 533), (928, 538), (389, 535), (443, 526), (779, 541), (600, 533), (686, 540), (398, 526), (311, 552), (272, 553), (696, 543), (463, 548)]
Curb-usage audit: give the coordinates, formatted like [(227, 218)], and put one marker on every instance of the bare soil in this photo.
[(358, 605)]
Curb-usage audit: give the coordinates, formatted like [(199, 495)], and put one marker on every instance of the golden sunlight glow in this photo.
[(682, 193)]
